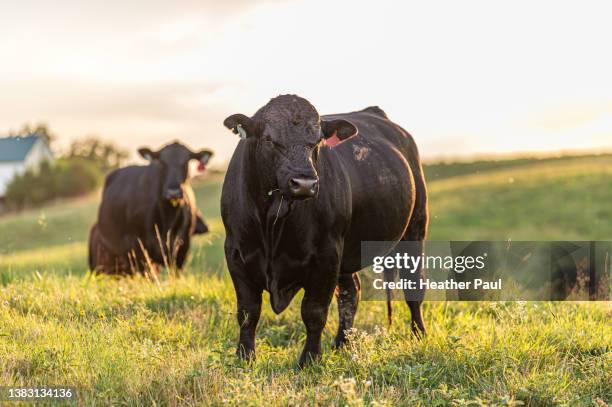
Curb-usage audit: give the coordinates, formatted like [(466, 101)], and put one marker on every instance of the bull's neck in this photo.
[(270, 206), (257, 181), (169, 215), (260, 183)]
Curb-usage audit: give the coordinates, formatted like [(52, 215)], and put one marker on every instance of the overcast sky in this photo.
[(464, 78)]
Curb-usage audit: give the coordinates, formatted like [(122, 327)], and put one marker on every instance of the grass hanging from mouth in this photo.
[(278, 210)]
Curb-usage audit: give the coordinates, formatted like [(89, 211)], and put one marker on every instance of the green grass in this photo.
[(133, 342)]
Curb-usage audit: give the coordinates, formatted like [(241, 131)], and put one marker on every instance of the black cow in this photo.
[(148, 213), (368, 187)]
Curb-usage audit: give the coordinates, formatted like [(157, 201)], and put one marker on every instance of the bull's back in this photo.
[(381, 184)]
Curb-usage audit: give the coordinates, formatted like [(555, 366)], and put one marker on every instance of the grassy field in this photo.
[(133, 342)]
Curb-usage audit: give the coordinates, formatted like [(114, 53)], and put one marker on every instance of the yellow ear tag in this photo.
[(174, 202)]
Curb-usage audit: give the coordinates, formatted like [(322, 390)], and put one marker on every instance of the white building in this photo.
[(19, 153)]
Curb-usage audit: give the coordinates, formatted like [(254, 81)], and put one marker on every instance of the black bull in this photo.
[(148, 214), (368, 187)]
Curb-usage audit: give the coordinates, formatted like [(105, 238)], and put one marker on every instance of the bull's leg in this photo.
[(248, 296), (100, 259), (347, 295), (315, 307), (418, 327), (318, 294), (249, 310), (182, 254), (417, 232), (415, 299)]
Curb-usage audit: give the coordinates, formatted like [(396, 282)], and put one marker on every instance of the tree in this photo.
[(104, 153), (40, 129)]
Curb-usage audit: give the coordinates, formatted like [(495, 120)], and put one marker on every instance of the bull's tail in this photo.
[(389, 308), (389, 275)]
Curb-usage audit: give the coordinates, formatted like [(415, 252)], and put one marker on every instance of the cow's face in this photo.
[(287, 133), (173, 161)]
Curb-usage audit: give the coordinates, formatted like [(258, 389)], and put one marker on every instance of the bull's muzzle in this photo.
[(302, 188), (174, 196)]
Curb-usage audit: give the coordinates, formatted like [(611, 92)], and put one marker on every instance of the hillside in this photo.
[(133, 342)]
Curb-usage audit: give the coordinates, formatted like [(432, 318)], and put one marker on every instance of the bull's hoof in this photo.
[(245, 353), (419, 332), (339, 342), (307, 358)]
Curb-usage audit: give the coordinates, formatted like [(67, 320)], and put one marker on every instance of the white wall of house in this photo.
[(7, 172), (38, 153)]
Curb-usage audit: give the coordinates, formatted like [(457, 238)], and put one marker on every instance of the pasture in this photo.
[(136, 342)]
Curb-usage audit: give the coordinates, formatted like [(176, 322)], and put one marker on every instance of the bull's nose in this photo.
[(303, 187), (174, 194)]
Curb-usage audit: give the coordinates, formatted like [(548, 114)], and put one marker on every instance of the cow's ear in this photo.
[(202, 156), (342, 129), (240, 124), (147, 154)]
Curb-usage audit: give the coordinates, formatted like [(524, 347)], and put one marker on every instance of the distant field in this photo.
[(132, 342)]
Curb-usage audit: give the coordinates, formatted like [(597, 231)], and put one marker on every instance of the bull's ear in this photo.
[(147, 154), (343, 129), (202, 156), (240, 124)]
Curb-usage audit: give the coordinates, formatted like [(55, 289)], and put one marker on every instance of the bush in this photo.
[(68, 177), (77, 176)]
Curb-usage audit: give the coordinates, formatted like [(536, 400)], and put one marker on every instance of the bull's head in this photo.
[(286, 135), (173, 161)]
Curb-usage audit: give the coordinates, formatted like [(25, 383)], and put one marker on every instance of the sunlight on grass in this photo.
[(59, 259), (100, 332), (130, 342)]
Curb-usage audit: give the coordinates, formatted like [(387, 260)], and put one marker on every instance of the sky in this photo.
[(464, 78)]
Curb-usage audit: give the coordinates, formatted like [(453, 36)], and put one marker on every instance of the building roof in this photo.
[(16, 148)]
